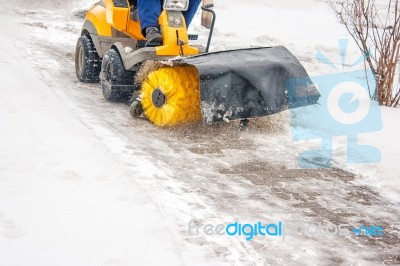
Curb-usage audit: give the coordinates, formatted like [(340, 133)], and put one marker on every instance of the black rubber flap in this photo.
[(247, 83)]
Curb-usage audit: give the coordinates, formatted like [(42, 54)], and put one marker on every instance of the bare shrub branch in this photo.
[(377, 35)]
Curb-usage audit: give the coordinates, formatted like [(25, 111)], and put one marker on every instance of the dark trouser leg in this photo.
[(149, 11), (189, 14)]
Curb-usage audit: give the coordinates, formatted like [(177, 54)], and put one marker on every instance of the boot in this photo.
[(153, 37)]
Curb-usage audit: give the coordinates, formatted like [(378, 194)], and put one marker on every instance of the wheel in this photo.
[(87, 61), (171, 96), (117, 83), (136, 109)]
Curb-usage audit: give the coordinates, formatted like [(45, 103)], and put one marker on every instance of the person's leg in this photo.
[(189, 14), (149, 11)]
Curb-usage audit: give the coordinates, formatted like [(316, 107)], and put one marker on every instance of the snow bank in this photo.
[(386, 174), (48, 4)]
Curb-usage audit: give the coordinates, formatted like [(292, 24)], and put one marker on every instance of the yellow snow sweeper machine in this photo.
[(176, 82)]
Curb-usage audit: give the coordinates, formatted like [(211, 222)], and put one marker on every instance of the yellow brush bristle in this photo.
[(180, 85)]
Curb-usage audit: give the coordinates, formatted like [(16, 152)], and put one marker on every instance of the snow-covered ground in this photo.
[(82, 183)]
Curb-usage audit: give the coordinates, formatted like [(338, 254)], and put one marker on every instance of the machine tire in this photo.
[(116, 82), (87, 60), (136, 109)]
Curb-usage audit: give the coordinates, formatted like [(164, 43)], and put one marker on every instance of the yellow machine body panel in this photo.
[(117, 17), (175, 38), (97, 15), (134, 30)]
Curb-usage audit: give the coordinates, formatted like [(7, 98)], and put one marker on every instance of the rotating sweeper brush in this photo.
[(170, 96), (176, 83)]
